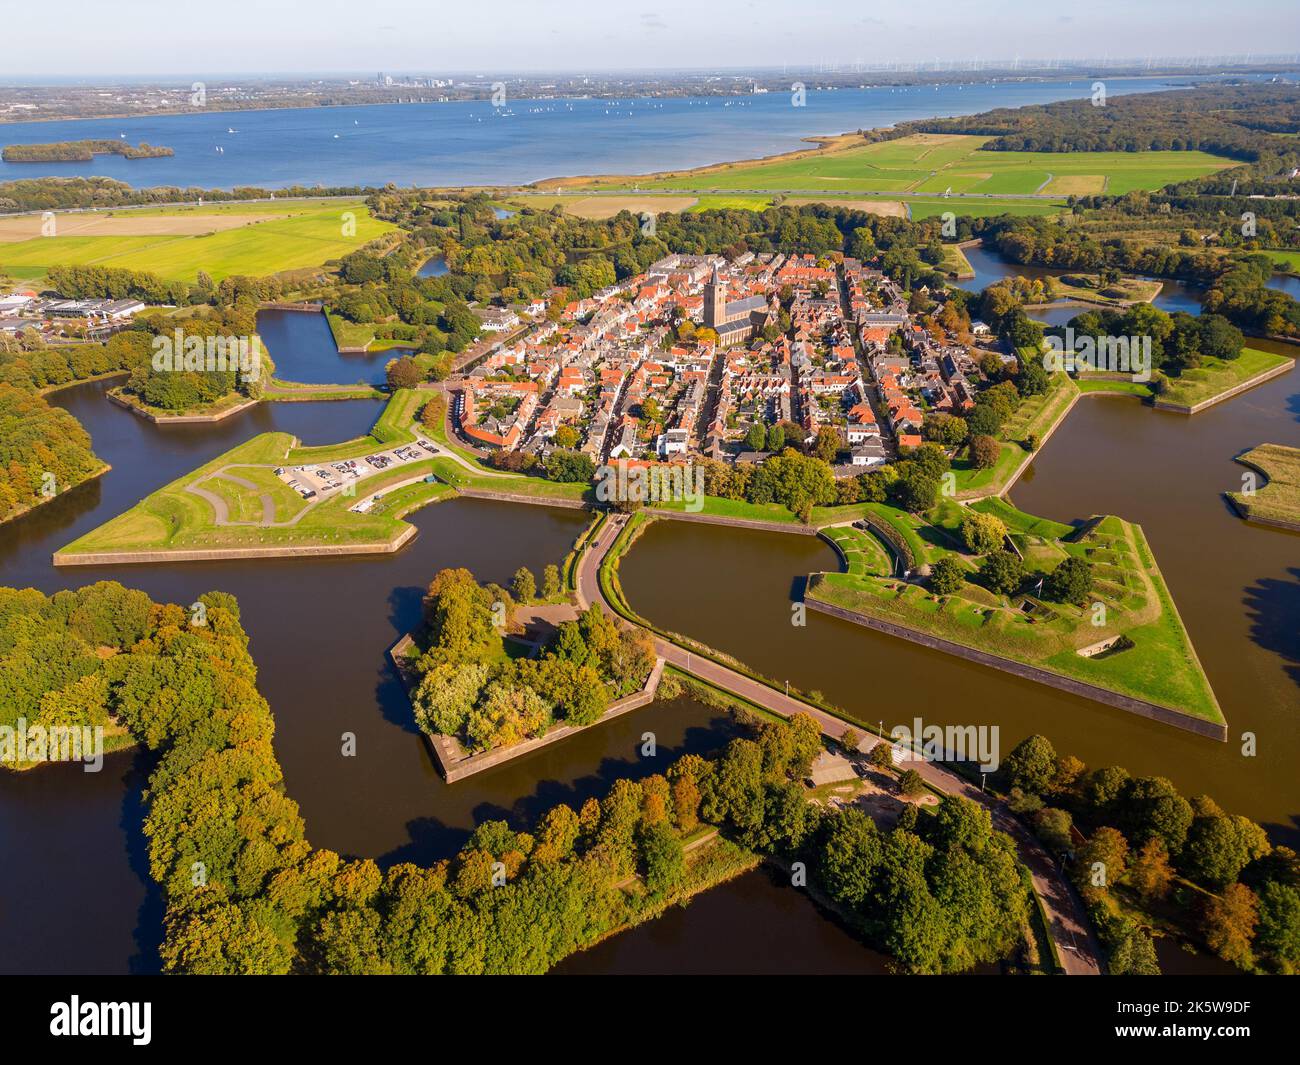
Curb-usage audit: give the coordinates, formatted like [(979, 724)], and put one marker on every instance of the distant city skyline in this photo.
[(142, 38)]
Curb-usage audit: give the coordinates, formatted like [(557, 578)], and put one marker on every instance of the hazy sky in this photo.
[(92, 37)]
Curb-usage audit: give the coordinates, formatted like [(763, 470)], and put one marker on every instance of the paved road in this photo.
[(1067, 924)]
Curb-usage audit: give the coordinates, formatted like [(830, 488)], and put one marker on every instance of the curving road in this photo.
[(1067, 923)]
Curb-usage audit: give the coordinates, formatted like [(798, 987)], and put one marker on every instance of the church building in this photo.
[(736, 321)]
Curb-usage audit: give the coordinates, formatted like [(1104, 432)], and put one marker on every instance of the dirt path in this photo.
[(222, 510)]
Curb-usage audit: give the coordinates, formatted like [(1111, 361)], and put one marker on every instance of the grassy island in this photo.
[(237, 506), (1215, 380), (990, 584), (1278, 501)]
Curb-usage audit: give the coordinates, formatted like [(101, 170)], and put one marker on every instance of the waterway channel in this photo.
[(320, 629)]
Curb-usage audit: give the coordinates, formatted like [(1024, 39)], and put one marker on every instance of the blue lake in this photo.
[(303, 349), (471, 143)]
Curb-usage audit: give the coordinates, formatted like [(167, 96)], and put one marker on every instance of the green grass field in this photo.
[(1160, 666), (938, 163), (1037, 415), (1107, 386), (1286, 261), (177, 519), (1216, 376), (309, 234)]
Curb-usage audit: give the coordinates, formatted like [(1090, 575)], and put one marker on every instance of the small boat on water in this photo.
[(231, 129)]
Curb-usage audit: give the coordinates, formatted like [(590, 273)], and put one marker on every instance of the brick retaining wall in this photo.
[(1132, 705), (1258, 379), (121, 558)]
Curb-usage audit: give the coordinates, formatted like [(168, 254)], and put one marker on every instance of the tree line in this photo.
[(64, 193), (1144, 854), (1238, 121), (246, 892), (476, 685)]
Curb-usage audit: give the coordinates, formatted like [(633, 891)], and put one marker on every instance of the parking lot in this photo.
[(316, 481)]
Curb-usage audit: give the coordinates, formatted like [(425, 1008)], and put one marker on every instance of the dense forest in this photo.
[(1239, 121), (1151, 855), (942, 891), (169, 387), (34, 366), (472, 688), (43, 451), (246, 892)]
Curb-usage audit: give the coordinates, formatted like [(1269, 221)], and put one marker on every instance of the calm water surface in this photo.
[(473, 143), (77, 896), (1237, 588), (303, 349)]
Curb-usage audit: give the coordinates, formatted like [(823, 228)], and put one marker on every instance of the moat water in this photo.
[(77, 896)]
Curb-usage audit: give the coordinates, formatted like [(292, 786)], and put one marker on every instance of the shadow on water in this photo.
[(1273, 606), (405, 606), (149, 921), (432, 839), (756, 924)]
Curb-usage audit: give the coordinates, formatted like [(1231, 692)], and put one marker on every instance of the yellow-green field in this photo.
[(916, 207), (939, 163), (1279, 498), (270, 237)]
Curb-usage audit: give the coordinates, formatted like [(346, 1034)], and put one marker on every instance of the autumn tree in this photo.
[(1228, 925), (1149, 871)]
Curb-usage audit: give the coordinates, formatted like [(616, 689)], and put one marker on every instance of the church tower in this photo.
[(715, 300)]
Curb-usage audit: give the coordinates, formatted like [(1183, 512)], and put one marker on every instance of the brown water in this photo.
[(76, 895), (756, 924), (1237, 587)]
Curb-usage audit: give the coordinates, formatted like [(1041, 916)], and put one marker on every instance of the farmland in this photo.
[(939, 163), (176, 242)]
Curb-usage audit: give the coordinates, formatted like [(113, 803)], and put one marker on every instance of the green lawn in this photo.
[(1216, 376), (1036, 414), (1103, 384), (1287, 261), (309, 234), (863, 554), (359, 334), (979, 207), (244, 503), (955, 262)]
